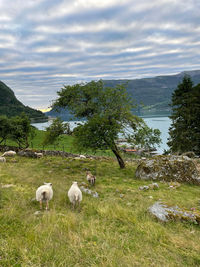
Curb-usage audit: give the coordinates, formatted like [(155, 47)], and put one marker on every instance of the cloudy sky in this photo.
[(45, 44)]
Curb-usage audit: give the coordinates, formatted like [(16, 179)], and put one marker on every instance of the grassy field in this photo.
[(65, 144), (112, 230)]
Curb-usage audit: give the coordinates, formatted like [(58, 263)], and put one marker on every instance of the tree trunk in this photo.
[(118, 156)]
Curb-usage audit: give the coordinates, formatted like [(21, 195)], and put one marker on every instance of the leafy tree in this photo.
[(55, 130), (107, 111), (144, 137), (185, 128), (5, 128), (21, 130)]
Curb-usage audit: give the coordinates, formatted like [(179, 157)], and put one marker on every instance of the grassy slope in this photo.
[(108, 231), (65, 144)]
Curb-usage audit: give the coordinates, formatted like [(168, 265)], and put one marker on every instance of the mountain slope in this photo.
[(155, 93), (152, 95), (10, 106)]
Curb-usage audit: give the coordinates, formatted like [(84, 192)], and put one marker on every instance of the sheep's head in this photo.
[(49, 184), (75, 183)]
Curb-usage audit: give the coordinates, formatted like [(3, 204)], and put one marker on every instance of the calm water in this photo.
[(161, 123)]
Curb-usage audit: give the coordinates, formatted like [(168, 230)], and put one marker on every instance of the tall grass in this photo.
[(112, 230)]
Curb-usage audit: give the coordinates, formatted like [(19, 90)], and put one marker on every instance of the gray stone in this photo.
[(88, 191), (164, 213), (7, 185), (168, 168), (159, 211), (145, 187)]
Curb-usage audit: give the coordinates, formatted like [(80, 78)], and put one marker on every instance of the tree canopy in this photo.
[(185, 128), (16, 128), (107, 112), (55, 131)]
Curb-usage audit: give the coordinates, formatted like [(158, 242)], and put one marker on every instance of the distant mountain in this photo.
[(152, 95), (10, 106)]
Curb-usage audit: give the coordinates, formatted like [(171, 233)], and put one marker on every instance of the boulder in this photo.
[(165, 213), (27, 153), (168, 168)]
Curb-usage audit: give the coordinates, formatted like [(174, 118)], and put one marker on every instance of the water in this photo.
[(161, 123)]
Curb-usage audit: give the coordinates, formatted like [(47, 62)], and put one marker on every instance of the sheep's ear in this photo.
[(50, 184), (45, 183)]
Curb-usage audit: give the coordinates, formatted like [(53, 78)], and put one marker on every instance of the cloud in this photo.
[(45, 44)]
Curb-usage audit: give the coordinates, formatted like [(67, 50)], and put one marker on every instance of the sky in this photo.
[(46, 44)]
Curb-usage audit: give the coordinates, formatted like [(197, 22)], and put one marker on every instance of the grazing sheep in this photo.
[(75, 194), (9, 153), (44, 193), (39, 155), (90, 178), (2, 159)]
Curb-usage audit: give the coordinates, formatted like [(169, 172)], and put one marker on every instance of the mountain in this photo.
[(10, 106), (152, 95)]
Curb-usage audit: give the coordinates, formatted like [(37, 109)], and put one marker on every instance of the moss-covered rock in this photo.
[(169, 168), (165, 213)]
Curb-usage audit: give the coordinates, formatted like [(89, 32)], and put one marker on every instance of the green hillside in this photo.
[(10, 106)]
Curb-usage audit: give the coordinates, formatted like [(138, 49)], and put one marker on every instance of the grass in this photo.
[(112, 230), (65, 144)]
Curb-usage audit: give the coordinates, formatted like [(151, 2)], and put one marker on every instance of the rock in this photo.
[(95, 195), (159, 211), (82, 157), (164, 213), (168, 168), (27, 153), (88, 191), (145, 187), (189, 154), (7, 185)]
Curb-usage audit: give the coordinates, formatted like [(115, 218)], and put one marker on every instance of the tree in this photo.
[(21, 130), (107, 111), (54, 131), (144, 137), (185, 128), (5, 128)]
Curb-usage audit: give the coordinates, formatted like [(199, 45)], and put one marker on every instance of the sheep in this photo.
[(90, 178), (44, 193), (2, 159), (75, 194), (9, 153), (38, 154)]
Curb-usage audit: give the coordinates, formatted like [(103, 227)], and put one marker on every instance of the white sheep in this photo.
[(9, 153), (39, 154), (44, 193), (90, 178), (2, 159), (75, 194)]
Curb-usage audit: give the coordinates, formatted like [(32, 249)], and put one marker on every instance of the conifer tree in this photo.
[(185, 128)]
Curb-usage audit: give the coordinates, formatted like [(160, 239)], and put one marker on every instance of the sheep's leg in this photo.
[(41, 204), (47, 205)]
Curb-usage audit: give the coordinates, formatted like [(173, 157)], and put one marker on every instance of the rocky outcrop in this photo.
[(168, 168), (165, 213)]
